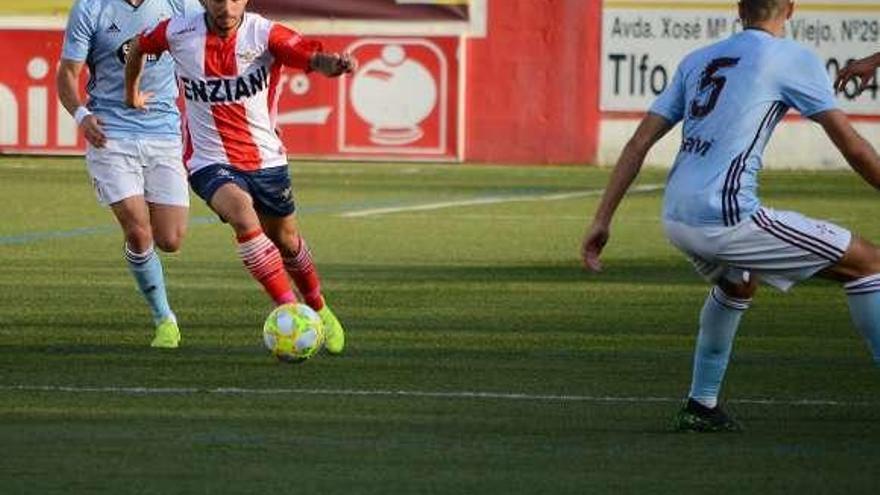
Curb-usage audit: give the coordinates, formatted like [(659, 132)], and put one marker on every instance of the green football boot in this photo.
[(699, 418), (167, 335), (334, 334)]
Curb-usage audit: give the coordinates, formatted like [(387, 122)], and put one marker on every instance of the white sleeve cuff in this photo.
[(81, 113)]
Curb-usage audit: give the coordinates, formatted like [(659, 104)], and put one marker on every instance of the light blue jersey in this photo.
[(98, 33), (731, 95)]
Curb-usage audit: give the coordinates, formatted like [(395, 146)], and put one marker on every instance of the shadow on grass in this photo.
[(134, 349), (638, 273), (649, 272)]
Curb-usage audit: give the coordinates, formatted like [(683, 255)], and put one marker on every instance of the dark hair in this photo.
[(761, 10)]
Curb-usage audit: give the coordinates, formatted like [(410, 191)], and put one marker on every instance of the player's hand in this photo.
[(591, 249), (333, 64), (863, 71), (139, 100), (93, 131), (347, 63)]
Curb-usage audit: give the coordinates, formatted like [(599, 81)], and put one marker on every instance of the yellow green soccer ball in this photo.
[(293, 333)]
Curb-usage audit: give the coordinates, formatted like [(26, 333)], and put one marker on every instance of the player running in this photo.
[(228, 65), (133, 158), (731, 95)]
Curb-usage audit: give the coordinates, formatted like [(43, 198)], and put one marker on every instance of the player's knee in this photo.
[(862, 259), (243, 227), (743, 290), (139, 238), (873, 263), (169, 242)]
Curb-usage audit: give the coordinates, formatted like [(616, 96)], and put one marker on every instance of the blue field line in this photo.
[(34, 237), (31, 237)]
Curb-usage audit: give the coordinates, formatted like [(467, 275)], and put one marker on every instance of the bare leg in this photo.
[(133, 216), (258, 253), (169, 226)]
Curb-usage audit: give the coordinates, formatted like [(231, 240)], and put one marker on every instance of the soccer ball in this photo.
[(293, 333)]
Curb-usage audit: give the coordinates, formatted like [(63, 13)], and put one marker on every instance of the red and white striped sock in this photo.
[(263, 260), (304, 274)]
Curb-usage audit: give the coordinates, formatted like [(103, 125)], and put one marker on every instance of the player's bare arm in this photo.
[(332, 64), (652, 129), (863, 71), (134, 68), (68, 92), (859, 153)]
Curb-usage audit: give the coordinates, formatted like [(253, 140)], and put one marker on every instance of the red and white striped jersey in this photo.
[(230, 87)]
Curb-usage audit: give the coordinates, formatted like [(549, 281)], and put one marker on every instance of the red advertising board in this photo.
[(403, 101), (31, 118)]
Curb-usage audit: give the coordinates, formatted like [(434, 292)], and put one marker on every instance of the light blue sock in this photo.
[(147, 270), (863, 296), (719, 321)]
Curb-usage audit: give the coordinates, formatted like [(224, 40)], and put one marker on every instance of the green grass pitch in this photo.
[(481, 358)]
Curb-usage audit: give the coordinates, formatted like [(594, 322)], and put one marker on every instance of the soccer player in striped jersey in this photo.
[(228, 63), (730, 96), (134, 159)]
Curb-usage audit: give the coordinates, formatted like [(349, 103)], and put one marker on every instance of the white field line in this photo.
[(463, 394), (490, 201)]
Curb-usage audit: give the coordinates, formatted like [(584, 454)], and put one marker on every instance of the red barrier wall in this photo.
[(533, 83), (531, 94), (407, 110)]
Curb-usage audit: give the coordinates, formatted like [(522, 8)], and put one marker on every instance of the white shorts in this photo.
[(780, 247), (152, 168)]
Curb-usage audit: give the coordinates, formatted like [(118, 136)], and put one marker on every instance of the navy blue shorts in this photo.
[(269, 187)]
